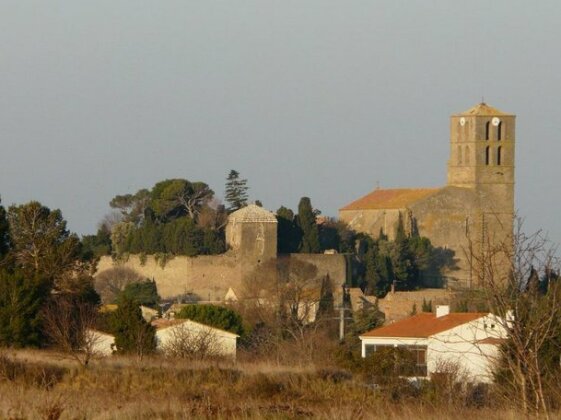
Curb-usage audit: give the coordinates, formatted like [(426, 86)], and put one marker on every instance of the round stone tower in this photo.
[(251, 233)]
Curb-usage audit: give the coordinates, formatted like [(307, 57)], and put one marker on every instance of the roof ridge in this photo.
[(424, 325), (390, 198)]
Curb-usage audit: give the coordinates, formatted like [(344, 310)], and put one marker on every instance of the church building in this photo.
[(473, 215)]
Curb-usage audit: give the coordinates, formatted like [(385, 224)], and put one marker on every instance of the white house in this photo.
[(148, 313), (99, 343), (181, 336), (469, 341)]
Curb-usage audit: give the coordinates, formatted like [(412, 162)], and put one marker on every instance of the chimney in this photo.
[(442, 310)]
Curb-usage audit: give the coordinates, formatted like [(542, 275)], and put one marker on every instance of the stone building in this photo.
[(251, 236), (473, 213), (251, 233)]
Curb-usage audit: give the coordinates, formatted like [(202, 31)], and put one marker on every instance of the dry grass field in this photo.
[(41, 384)]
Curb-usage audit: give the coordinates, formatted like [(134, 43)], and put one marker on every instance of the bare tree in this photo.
[(68, 323), (527, 296), (285, 295), (189, 343), (110, 283), (213, 215)]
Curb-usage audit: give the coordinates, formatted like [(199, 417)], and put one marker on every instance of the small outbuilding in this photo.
[(99, 343), (183, 337), (468, 341)]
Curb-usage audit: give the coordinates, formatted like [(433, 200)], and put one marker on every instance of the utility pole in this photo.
[(342, 309)]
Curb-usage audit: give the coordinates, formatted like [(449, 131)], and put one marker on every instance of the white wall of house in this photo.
[(102, 344), (223, 342), (461, 347)]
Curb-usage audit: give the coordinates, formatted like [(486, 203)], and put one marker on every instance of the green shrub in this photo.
[(215, 316), (144, 293)]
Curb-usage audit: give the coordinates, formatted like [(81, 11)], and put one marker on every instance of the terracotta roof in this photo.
[(484, 110), (390, 199), (423, 325)]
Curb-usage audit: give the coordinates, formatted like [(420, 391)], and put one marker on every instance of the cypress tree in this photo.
[(289, 235), (402, 261), (133, 335), (306, 221), (379, 273), (236, 191), (4, 231)]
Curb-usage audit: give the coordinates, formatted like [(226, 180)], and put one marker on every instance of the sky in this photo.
[(318, 98)]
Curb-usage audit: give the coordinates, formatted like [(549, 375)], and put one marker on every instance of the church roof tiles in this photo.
[(390, 199), (483, 109)]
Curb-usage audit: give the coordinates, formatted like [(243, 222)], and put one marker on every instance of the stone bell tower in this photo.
[(482, 144)]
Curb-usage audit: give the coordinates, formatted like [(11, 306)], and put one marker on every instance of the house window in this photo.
[(466, 155), (500, 131), (499, 153), (487, 155), (459, 155), (418, 357), (487, 130)]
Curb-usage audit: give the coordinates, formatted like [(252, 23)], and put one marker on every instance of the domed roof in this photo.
[(252, 213), (482, 109)]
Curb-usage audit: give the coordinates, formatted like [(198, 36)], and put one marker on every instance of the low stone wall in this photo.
[(334, 265), (398, 305)]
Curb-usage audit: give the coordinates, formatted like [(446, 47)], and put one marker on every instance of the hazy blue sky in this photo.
[(316, 97)]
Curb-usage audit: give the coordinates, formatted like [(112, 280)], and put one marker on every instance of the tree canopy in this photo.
[(144, 293), (174, 198), (410, 260), (214, 316), (306, 221), (41, 243), (179, 217), (21, 299), (4, 231), (133, 335)]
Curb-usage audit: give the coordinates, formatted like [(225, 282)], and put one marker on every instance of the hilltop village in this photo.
[(410, 292), (474, 212)]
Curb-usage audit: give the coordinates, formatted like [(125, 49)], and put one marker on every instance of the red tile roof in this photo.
[(423, 325), (397, 198)]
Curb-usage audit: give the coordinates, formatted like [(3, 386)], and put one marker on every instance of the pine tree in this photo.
[(21, 299), (236, 191)]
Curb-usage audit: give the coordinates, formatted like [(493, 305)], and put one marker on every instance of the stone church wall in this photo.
[(372, 221)]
